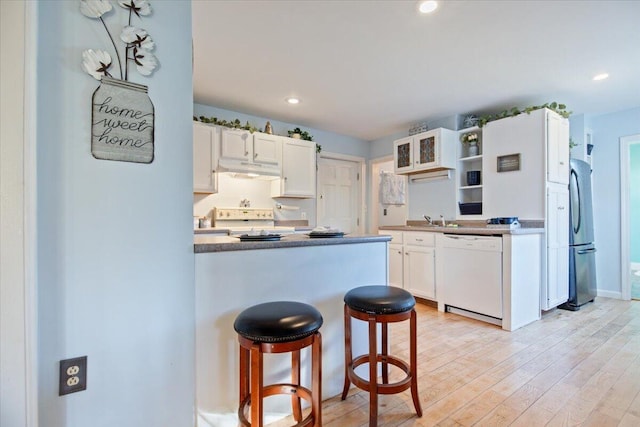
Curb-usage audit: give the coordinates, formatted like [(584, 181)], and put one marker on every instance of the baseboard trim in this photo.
[(610, 294)]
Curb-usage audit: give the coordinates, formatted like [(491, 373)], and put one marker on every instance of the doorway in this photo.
[(630, 216), (384, 214), (340, 192)]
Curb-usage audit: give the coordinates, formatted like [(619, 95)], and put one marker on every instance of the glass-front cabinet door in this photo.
[(403, 154), (426, 150)]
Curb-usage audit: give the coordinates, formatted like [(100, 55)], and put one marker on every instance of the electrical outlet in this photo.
[(73, 375)]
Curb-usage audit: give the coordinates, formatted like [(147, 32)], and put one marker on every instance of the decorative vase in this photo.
[(473, 149), (122, 121)]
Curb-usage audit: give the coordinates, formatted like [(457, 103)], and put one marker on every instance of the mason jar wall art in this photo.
[(122, 115), (122, 122)]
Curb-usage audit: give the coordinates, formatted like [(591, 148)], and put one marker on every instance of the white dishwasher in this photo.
[(472, 274)]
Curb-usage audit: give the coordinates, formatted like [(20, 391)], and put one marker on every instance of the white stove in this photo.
[(245, 220)]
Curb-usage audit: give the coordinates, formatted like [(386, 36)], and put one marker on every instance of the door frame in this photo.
[(20, 313), (361, 167), (625, 196)]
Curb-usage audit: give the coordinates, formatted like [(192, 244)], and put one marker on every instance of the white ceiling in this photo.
[(372, 68)]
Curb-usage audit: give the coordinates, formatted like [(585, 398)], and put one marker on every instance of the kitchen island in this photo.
[(233, 275)]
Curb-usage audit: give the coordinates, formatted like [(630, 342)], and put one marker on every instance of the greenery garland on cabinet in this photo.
[(237, 124), (515, 111)]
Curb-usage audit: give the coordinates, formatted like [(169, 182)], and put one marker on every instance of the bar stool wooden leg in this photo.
[(385, 352), (413, 344), (244, 374), (256, 386), (295, 379), (373, 373), (347, 351), (316, 379)]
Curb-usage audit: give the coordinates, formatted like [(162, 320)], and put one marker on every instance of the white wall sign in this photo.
[(122, 122)]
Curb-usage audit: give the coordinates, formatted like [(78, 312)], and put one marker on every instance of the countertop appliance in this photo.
[(582, 249), (474, 276), (243, 220)]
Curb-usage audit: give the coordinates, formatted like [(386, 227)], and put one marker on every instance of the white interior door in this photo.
[(338, 194)]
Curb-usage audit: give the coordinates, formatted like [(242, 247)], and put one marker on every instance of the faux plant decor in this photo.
[(234, 124), (554, 106), (138, 43), (303, 134)]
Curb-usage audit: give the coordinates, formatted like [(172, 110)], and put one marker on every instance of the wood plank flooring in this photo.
[(568, 369)]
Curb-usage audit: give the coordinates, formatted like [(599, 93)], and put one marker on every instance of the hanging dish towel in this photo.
[(392, 189)]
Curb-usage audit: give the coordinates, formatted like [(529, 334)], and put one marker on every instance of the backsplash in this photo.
[(258, 191)]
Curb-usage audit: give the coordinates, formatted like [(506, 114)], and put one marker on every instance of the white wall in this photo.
[(607, 130), (115, 244)]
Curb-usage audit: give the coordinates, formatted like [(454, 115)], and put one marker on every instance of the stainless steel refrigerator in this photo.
[(582, 249)]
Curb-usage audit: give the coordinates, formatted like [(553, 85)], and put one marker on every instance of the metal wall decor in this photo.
[(509, 163), (122, 122), (122, 116)]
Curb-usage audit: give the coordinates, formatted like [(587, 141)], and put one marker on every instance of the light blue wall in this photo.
[(634, 213), (115, 242), (607, 131), (330, 142)]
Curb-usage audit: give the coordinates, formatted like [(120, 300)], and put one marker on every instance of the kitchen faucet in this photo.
[(444, 224), (428, 218)]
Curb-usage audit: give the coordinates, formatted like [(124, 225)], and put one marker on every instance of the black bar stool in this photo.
[(384, 305), (279, 327)]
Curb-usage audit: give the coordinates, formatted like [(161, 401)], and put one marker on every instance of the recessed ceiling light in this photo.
[(601, 76), (428, 6), (293, 100)]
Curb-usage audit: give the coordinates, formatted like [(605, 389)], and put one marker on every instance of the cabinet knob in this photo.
[(406, 253), (285, 178), (255, 155), (562, 163), (399, 252)]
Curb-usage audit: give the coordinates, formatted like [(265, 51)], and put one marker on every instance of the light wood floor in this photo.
[(568, 369)]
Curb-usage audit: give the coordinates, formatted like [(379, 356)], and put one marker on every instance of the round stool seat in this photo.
[(379, 299), (278, 321)]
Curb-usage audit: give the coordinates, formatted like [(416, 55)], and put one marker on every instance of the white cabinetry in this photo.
[(242, 151), (412, 262), (396, 266), (557, 242), (298, 178), (206, 140), (537, 190), (431, 150)]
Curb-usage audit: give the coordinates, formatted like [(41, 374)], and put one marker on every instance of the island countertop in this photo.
[(216, 243)]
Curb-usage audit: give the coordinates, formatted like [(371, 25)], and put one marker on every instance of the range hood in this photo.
[(249, 169)]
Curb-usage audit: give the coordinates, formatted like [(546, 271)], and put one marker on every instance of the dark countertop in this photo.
[(204, 243), (470, 227)]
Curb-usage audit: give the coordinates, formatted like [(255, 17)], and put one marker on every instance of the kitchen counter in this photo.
[(216, 243), (475, 227), (231, 275)]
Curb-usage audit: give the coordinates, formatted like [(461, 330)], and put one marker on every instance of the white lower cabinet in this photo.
[(412, 262), (396, 266), (420, 271)]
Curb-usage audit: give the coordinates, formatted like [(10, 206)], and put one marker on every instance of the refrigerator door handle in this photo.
[(586, 251), (574, 176)]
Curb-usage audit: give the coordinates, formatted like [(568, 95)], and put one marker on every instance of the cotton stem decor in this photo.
[(122, 126)]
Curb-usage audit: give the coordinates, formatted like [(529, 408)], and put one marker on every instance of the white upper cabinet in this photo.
[(206, 140), (431, 150), (557, 149), (266, 148), (242, 151), (236, 144), (298, 177)]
